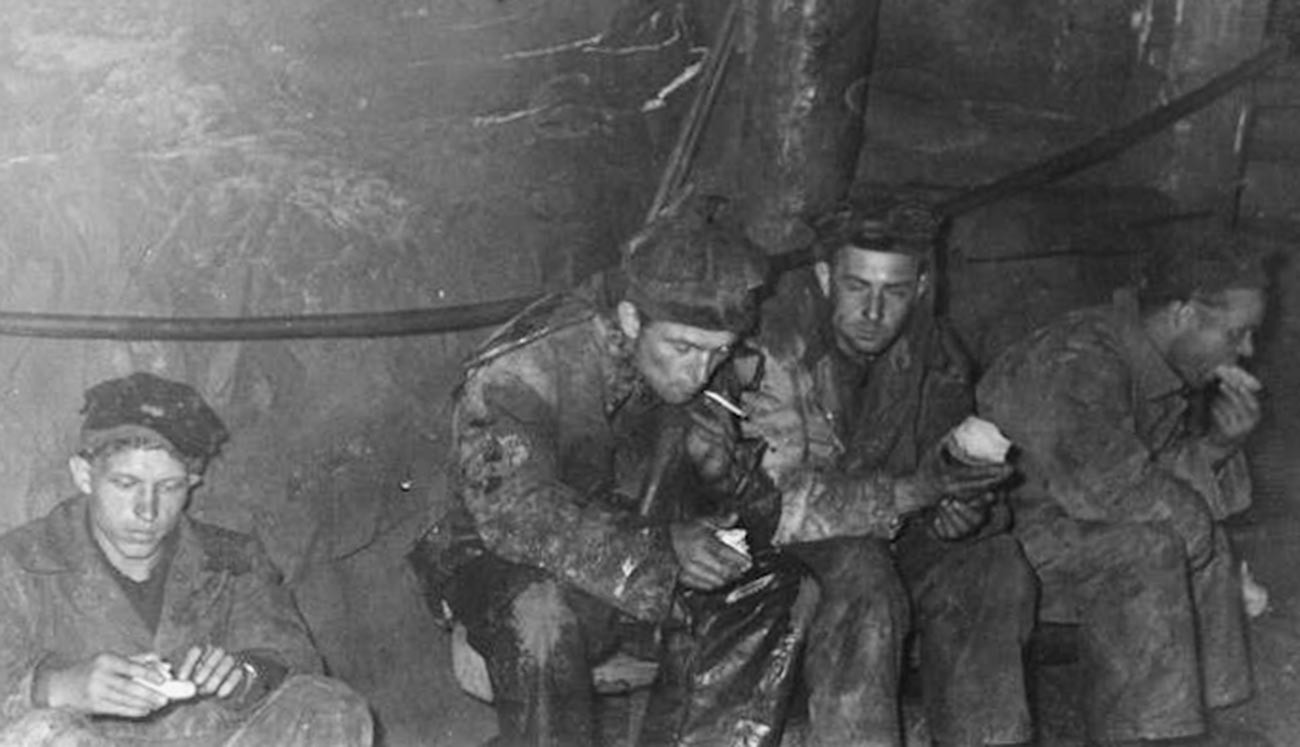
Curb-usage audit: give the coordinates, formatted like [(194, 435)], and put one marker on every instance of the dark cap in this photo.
[(1187, 265), (897, 222), (143, 404), (694, 267)]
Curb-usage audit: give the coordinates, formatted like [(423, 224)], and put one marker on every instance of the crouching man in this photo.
[(125, 621)]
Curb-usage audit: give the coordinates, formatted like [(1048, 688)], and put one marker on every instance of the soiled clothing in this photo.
[(558, 446), (1120, 506), (553, 430), (59, 603), (812, 610), (827, 418)]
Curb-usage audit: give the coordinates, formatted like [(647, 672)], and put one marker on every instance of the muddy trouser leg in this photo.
[(1220, 618), (727, 678), (853, 660), (1127, 585), (974, 606), (540, 639)]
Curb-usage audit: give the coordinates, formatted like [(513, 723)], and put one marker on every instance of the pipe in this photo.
[(682, 159), (216, 329), (474, 316), (1119, 139)]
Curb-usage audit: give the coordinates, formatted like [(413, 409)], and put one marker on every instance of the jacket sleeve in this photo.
[(817, 500), (506, 439), (264, 623), (1071, 413), (19, 652)]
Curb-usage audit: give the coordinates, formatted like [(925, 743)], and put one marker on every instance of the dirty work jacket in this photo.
[(547, 465), (58, 600), (1102, 424), (915, 392)]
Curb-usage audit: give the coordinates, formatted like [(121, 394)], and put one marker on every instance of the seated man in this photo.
[(1127, 483), (861, 377), (125, 621)]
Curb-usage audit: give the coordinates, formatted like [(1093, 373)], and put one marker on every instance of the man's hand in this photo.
[(707, 562), (940, 475), (212, 669), (1234, 413), (105, 685), (955, 519), (711, 442)]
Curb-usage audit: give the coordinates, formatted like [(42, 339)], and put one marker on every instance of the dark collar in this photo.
[(1154, 377), (61, 542)]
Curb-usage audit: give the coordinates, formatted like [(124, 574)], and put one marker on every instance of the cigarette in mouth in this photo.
[(726, 404)]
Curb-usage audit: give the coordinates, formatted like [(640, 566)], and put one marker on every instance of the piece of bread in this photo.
[(977, 441), (173, 688), (1237, 378)]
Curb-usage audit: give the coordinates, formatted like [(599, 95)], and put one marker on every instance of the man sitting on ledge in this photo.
[(126, 621)]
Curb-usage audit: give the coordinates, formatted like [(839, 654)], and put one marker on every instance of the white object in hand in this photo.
[(735, 539), (1237, 378), (977, 441), (1253, 594), (172, 688)]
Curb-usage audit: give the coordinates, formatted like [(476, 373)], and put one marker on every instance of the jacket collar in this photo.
[(65, 542), (624, 383), (62, 548), (1154, 377)]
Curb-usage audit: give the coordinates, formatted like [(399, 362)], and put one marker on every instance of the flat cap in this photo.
[(144, 404)]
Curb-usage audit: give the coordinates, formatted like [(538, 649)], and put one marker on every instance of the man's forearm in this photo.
[(817, 507)]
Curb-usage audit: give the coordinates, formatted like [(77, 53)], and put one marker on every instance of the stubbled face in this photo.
[(137, 497), (1211, 335), (872, 294), (677, 360)]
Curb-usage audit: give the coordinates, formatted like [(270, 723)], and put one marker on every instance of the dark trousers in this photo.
[(973, 606), (1160, 640), (834, 612), (540, 639)]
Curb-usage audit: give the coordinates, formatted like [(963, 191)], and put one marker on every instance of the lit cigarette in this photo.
[(726, 404)]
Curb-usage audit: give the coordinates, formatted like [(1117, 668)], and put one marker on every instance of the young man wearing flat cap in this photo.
[(126, 621)]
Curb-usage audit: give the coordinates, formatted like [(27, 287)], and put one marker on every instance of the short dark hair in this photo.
[(1185, 267), (894, 222)]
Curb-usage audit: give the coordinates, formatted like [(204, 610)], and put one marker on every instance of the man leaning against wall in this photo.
[(127, 622)]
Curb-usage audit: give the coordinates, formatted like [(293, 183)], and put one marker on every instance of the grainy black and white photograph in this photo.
[(649, 373)]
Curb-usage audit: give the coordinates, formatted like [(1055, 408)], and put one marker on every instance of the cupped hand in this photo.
[(707, 563), (105, 685), (212, 669)]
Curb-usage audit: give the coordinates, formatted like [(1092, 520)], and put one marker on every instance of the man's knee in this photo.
[(51, 727), (858, 573), (324, 706), (1145, 549), (541, 617)]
